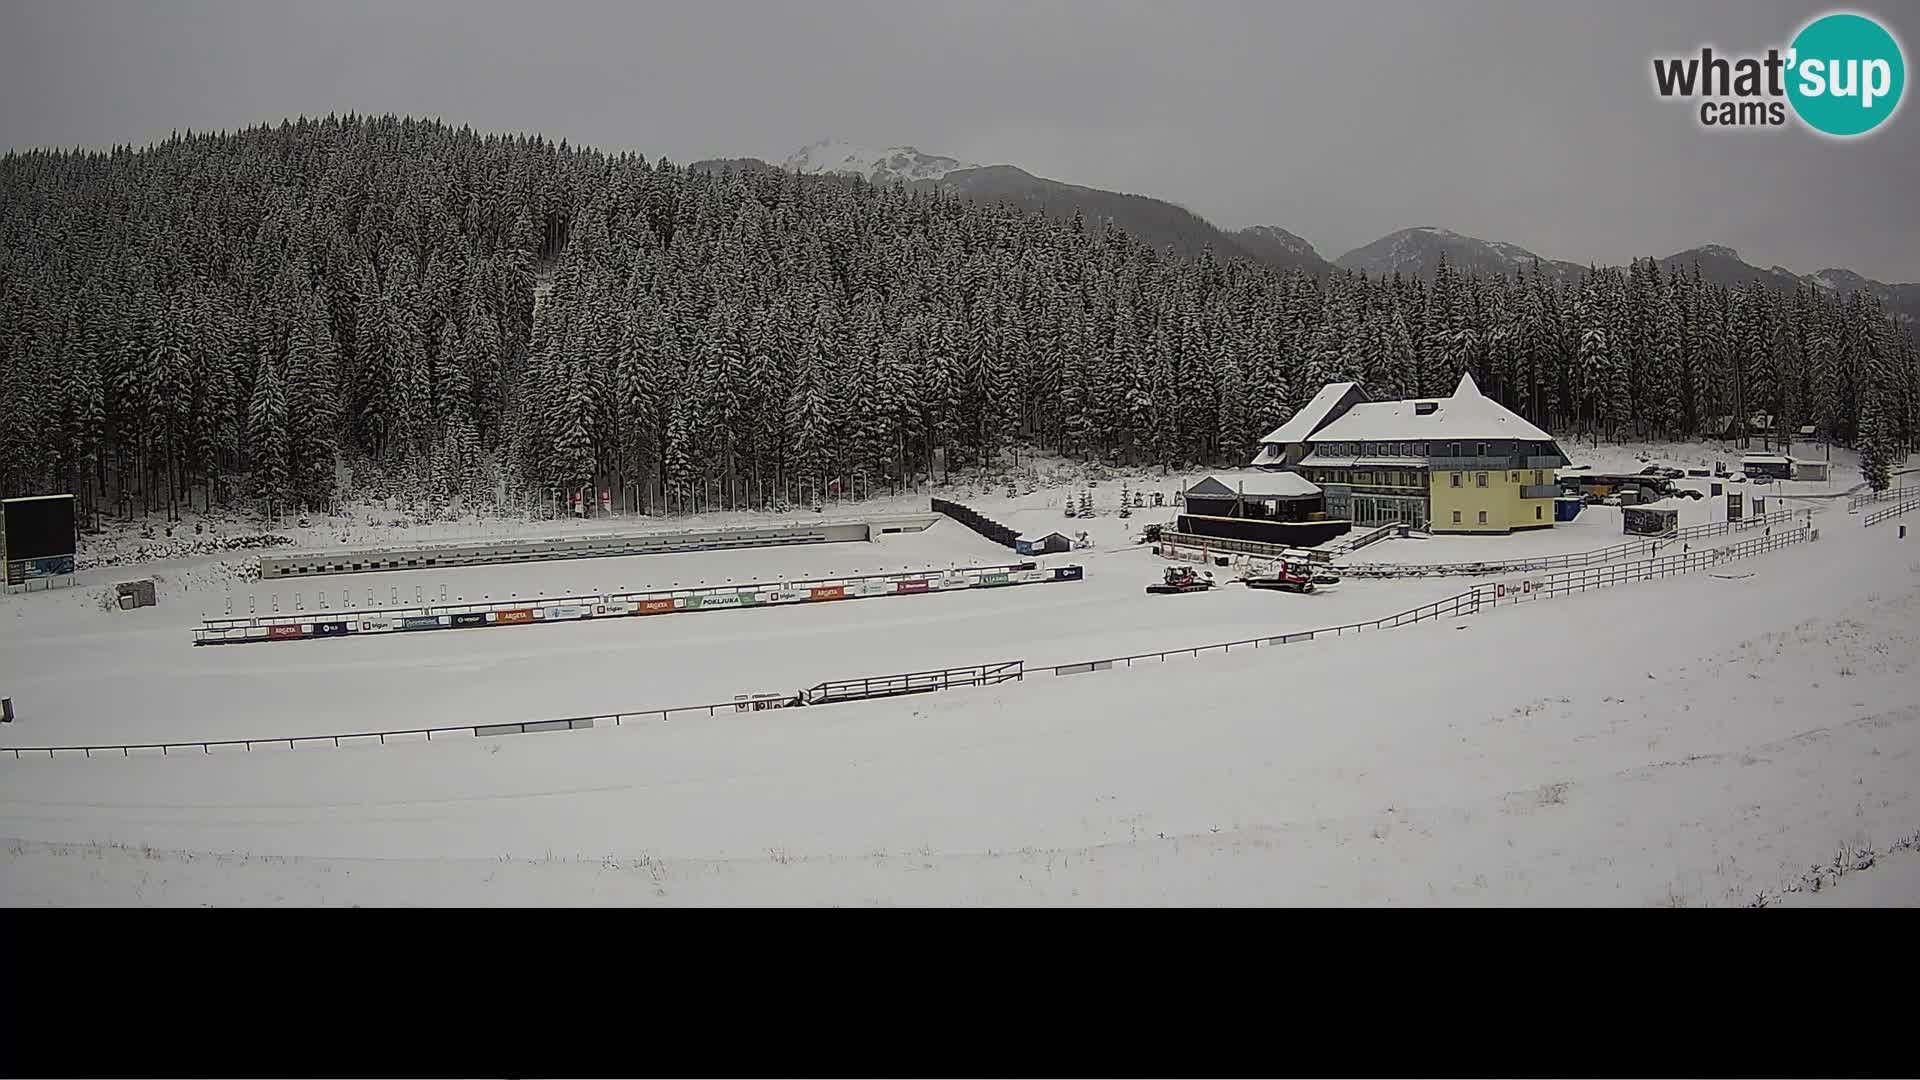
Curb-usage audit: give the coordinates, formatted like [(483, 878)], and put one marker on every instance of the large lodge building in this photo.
[(1459, 464)]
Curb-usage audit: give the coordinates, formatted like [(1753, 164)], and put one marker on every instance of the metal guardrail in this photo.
[(1599, 577), (1858, 501), (918, 682), (294, 742), (1465, 603), (1475, 569), (1894, 511), (826, 693)]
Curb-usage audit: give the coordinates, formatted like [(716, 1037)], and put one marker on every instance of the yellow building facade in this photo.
[(1458, 464)]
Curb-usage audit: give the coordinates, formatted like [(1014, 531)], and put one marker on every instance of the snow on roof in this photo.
[(1311, 415), (1261, 484), (1770, 459), (1468, 414)]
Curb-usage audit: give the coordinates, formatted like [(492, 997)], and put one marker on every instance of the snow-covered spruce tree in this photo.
[(422, 247)]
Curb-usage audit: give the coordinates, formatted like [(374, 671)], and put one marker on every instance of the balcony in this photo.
[(1550, 461), (1502, 463), (1539, 491)]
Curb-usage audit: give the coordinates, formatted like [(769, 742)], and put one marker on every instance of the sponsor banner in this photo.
[(876, 588), (1514, 591), (470, 618), (652, 607), (712, 600), (513, 615), (21, 571), (910, 586), (786, 596), (747, 599), (1028, 577), (427, 622), (954, 581), (993, 579), (283, 633), (329, 629), (828, 592), (1066, 573), (568, 611), (375, 623)]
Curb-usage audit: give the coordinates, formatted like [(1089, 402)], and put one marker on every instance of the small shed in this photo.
[(1650, 520), (1567, 507), (1043, 544), (1771, 466), (1816, 471)]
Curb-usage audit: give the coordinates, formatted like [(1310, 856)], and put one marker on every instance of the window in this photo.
[(1456, 479), (1515, 478), (1536, 476), (1536, 513), (1482, 452), (1456, 517), (1479, 479)]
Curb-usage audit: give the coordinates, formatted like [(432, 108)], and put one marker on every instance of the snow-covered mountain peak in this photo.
[(882, 165)]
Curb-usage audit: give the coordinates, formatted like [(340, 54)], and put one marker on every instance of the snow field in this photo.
[(1579, 751), (152, 685)]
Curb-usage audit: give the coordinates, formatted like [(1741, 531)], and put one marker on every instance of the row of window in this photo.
[(1375, 477), (1403, 449), (1537, 516), (1480, 479)]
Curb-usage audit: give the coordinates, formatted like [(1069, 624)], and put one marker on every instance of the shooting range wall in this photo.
[(369, 560)]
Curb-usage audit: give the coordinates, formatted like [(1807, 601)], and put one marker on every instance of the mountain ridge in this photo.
[(1167, 225)]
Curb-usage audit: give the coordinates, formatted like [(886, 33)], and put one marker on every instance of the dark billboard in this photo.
[(38, 536)]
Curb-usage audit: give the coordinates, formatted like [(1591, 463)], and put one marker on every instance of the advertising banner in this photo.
[(329, 629), (567, 611), (470, 618), (653, 607), (829, 592), (375, 623), (427, 622), (1513, 591), (283, 633), (513, 615), (919, 585)]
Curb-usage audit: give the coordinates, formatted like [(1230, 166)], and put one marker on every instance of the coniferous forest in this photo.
[(248, 317)]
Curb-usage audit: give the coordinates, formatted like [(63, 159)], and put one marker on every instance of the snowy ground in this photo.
[(146, 682), (1692, 741)]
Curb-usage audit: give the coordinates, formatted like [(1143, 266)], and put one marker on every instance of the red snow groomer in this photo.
[(1290, 576), (1181, 579)]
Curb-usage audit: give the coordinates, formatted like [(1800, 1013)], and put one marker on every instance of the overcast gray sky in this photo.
[(1529, 122)]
